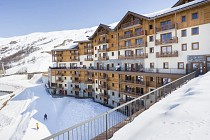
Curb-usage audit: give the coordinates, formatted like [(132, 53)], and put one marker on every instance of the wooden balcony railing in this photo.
[(131, 24), (75, 81), (142, 44), (167, 41), (166, 27), (103, 58), (103, 78), (88, 81), (75, 75), (88, 53), (103, 50), (75, 59), (76, 89), (102, 95), (138, 56), (133, 82), (88, 59), (127, 36), (167, 54), (130, 93), (102, 33), (103, 41), (103, 87), (74, 53)]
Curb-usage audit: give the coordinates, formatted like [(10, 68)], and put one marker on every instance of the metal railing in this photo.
[(105, 125)]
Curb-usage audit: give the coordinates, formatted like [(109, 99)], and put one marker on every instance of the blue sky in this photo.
[(20, 17)]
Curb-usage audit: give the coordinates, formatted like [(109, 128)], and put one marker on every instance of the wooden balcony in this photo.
[(88, 53), (103, 78), (88, 81), (167, 41), (105, 96), (103, 50), (88, 47), (89, 90), (76, 81), (166, 27), (75, 75), (103, 87), (103, 41), (75, 53), (137, 83), (130, 93), (132, 35), (167, 54), (143, 44), (131, 24), (103, 58), (139, 56), (74, 59), (89, 74), (76, 89), (88, 59), (102, 33), (59, 80)]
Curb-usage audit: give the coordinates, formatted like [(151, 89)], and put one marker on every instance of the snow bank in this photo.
[(182, 115)]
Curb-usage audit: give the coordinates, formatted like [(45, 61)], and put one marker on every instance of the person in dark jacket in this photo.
[(45, 116)]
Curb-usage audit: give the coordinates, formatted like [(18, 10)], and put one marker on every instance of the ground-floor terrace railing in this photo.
[(103, 127)]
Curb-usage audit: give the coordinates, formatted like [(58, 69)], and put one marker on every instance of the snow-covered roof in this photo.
[(173, 9), (67, 47)]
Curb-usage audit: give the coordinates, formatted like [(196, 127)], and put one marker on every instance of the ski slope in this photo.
[(182, 115), (31, 101)]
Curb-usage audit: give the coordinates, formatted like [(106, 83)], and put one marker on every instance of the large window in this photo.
[(166, 49), (195, 31), (139, 41), (194, 15), (139, 51), (127, 34), (128, 43), (195, 46), (165, 24), (165, 37)]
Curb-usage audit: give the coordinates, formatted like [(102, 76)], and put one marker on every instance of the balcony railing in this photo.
[(75, 59), (103, 87), (167, 41), (165, 27), (133, 82), (88, 53), (105, 96), (126, 36), (103, 50), (88, 81), (103, 78), (76, 81), (130, 93), (102, 33), (137, 56), (167, 54), (142, 44), (74, 53), (76, 89), (59, 80), (75, 75), (103, 58), (131, 24), (88, 59), (103, 41)]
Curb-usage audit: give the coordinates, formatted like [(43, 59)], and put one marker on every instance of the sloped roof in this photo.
[(180, 2), (101, 26), (67, 47)]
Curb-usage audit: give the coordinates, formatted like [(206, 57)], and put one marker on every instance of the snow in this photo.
[(67, 47), (182, 115), (31, 101), (158, 13)]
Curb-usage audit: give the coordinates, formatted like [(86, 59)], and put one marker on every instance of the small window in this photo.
[(184, 47), (96, 81), (65, 78), (81, 63), (112, 93), (195, 46), (152, 65), (112, 45), (65, 85), (112, 84), (112, 75), (195, 15), (112, 64), (180, 65), (95, 48), (112, 36), (151, 50), (151, 79), (112, 53), (184, 33), (96, 89), (151, 38), (95, 55), (64, 71), (195, 31), (119, 95), (112, 102), (118, 52), (150, 27), (183, 18), (165, 65)]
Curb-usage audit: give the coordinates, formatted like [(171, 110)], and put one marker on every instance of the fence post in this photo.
[(106, 126)]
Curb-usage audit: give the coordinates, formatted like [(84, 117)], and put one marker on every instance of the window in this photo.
[(112, 64), (166, 37), (112, 84), (65, 85), (184, 47), (152, 65), (112, 75), (184, 33), (195, 31), (81, 63), (166, 50), (112, 93), (128, 43), (112, 102), (118, 52), (112, 53), (195, 15), (64, 71), (112, 36), (139, 51), (151, 79), (151, 50), (65, 78), (183, 18), (95, 48), (180, 65), (96, 89), (165, 65), (112, 45), (165, 25), (150, 27), (151, 38), (128, 53), (95, 55), (139, 41), (195, 46), (96, 81)]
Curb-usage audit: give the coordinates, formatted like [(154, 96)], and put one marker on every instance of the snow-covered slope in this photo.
[(29, 52), (182, 115)]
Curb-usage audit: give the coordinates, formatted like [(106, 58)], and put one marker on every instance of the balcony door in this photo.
[(166, 50), (165, 25), (128, 53), (166, 37)]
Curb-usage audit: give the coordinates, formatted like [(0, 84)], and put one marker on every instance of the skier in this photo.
[(37, 126), (45, 116)]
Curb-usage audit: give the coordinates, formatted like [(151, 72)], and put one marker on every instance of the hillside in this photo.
[(29, 52)]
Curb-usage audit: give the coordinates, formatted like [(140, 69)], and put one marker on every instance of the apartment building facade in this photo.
[(141, 53)]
